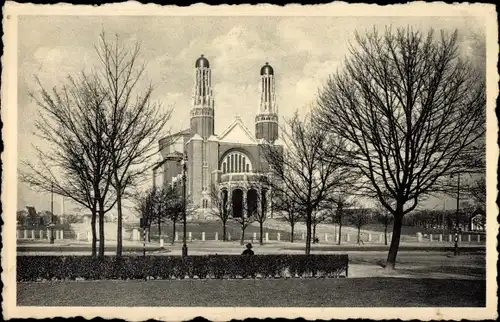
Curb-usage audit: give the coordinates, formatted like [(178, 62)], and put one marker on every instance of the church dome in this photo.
[(267, 70), (202, 62)]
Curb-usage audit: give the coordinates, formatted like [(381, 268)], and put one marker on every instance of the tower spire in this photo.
[(202, 105), (266, 121)]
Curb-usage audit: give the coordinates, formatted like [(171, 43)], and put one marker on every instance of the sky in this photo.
[(303, 51)]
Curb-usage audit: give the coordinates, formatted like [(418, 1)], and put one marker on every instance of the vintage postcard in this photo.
[(325, 162)]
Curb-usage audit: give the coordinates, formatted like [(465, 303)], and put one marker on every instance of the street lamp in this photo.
[(458, 197), (52, 223), (184, 168)]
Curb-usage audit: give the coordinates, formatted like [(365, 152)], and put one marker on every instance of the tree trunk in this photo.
[(101, 229), (396, 236), (261, 229), (292, 226), (119, 237), (308, 233), (385, 230), (94, 233), (242, 240), (314, 233), (149, 233), (224, 231), (359, 234), (173, 232), (340, 230), (159, 227)]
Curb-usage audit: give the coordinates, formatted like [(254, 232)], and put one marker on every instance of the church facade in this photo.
[(229, 165)]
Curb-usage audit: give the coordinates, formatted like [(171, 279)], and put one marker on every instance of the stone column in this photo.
[(41, 234), (62, 234), (48, 234), (244, 208), (32, 234)]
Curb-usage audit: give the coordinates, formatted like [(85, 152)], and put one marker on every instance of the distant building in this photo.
[(229, 160)]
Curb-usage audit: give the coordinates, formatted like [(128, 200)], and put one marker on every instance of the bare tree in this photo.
[(221, 208), (134, 123), (359, 217), (146, 207), (342, 203), (290, 211), (300, 171), (246, 219), (410, 110), (71, 120)]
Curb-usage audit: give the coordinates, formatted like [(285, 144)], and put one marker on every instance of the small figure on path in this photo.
[(248, 251)]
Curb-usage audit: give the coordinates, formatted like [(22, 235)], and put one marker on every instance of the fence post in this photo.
[(348, 237), (41, 234), (77, 236), (469, 238), (25, 234), (326, 237), (450, 238), (267, 237), (302, 236), (89, 236), (430, 238), (229, 236), (176, 236), (48, 234), (190, 236), (254, 236), (369, 237), (381, 238), (161, 242), (440, 238), (216, 236), (279, 237), (460, 238), (17, 234), (478, 238), (203, 236), (32, 234)]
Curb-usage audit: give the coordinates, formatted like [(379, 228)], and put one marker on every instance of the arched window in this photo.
[(236, 162)]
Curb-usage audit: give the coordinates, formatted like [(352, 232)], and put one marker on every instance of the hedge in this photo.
[(39, 268)]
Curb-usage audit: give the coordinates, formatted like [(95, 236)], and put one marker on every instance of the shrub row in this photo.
[(37, 268)]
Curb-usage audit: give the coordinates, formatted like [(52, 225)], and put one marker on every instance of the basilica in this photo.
[(228, 165)]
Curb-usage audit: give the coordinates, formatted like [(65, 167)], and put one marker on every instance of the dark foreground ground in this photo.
[(357, 292)]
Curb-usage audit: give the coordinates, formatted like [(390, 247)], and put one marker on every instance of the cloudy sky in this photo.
[(302, 50)]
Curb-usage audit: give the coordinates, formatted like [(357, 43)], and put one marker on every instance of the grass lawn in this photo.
[(359, 292)]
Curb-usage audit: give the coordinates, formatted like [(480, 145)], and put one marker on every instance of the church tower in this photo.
[(202, 106), (266, 121)]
